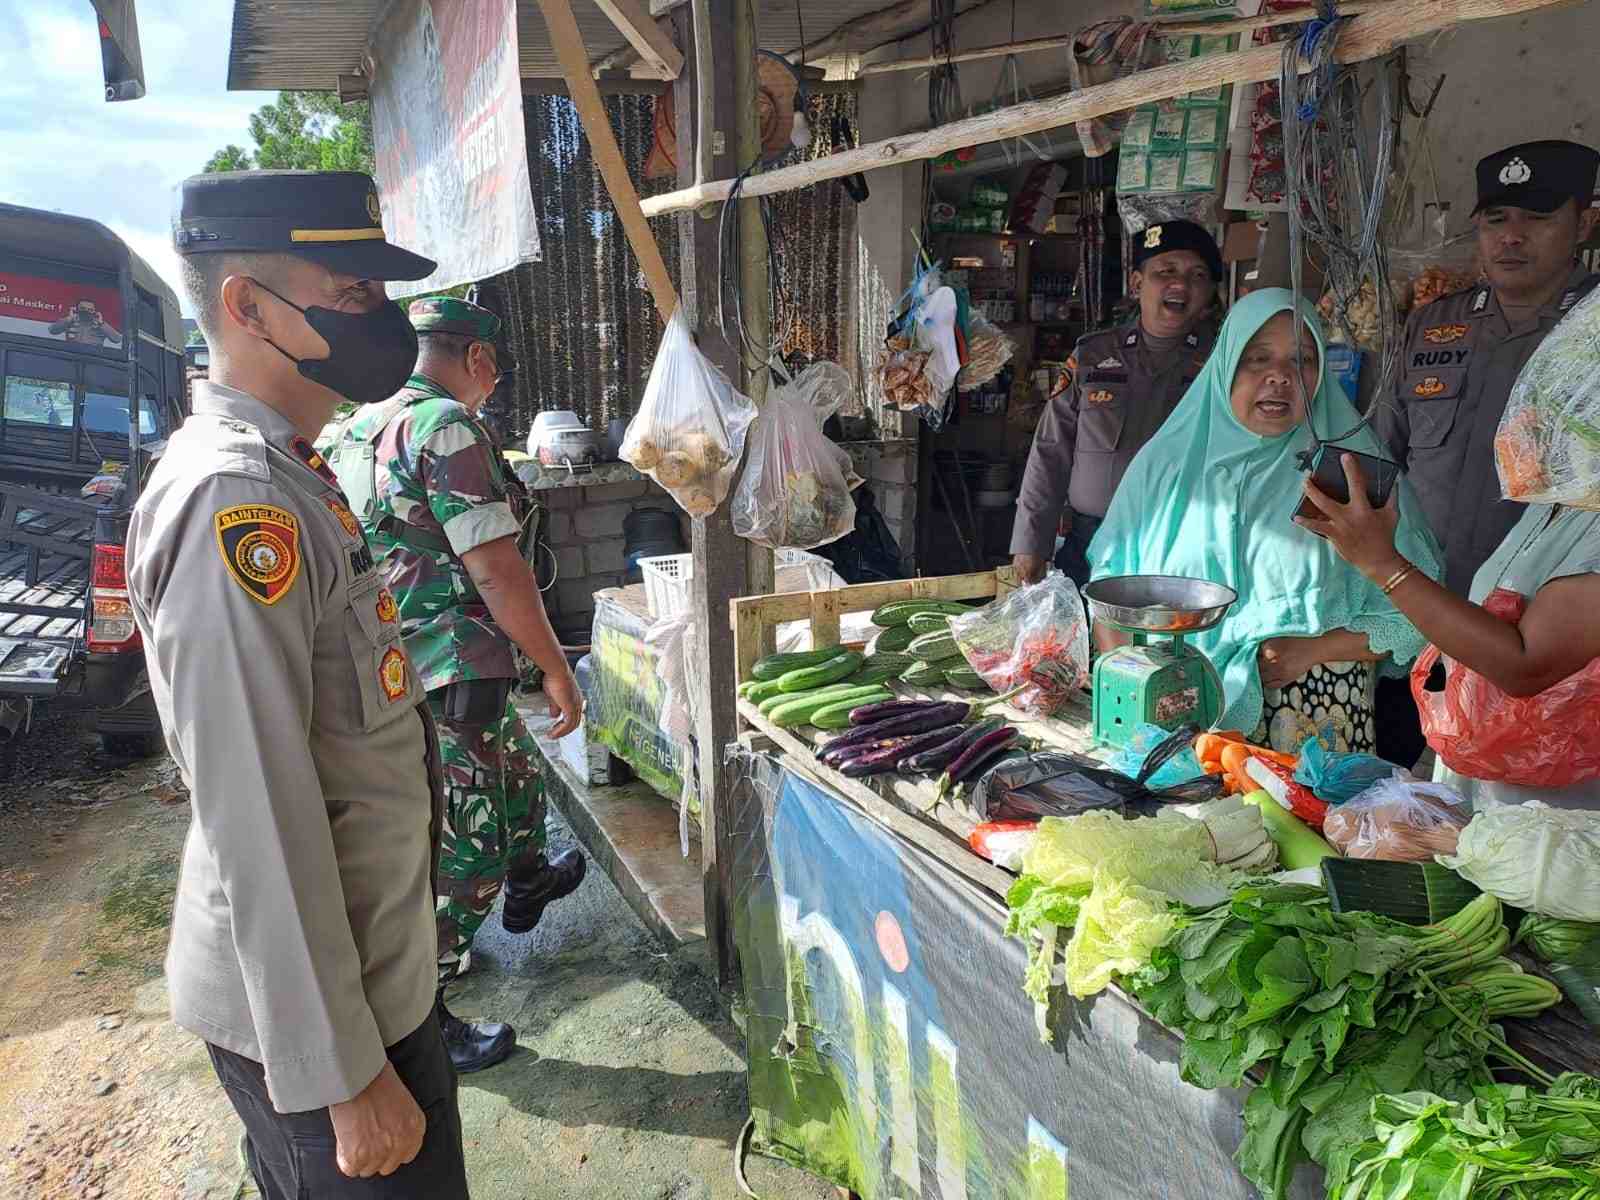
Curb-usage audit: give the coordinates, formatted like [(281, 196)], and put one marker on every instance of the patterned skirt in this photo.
[(1331, 698)]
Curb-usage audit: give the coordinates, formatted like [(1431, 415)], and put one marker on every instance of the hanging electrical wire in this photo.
[(1336, 183)]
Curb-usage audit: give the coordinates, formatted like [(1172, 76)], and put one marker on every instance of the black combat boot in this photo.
[(539, 882), (474, 1047)]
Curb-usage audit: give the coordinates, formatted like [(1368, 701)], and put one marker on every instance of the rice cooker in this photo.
[(559, 439)]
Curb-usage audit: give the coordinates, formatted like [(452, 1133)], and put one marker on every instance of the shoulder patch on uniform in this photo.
[(260, 546), (394, 674), (1443, 335), (346, 518), (1429, 387)]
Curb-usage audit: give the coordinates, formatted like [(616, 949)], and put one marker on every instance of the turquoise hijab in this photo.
[(1209, 499)]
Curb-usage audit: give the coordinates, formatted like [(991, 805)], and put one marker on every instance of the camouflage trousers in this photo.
[(494, 810)]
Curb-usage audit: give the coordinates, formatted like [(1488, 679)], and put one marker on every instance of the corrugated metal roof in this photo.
[(308, 44)]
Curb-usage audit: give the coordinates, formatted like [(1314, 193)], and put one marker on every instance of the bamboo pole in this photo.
[(574, 59), (1367, 36), (1164, 29)]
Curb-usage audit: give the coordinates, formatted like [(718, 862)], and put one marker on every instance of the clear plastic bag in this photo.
[(689, 432), (921, 359), (1336, 778), (1480, 731), (1398, 820), (1547, 448), (1176, 770), (795, 490), (1036, 639), (988, 352)]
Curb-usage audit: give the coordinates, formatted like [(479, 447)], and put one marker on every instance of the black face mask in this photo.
[(370, 355)]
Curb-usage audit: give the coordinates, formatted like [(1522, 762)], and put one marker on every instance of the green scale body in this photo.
[(1153, 682)]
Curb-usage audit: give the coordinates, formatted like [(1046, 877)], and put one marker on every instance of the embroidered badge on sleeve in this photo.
[(260, 546)]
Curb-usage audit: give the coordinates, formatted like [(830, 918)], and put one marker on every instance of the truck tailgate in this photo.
[(44, 584)]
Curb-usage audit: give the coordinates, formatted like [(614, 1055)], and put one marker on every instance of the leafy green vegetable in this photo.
[(1169, 853), (1555, 940), (1506, 1141), (1119, 926)]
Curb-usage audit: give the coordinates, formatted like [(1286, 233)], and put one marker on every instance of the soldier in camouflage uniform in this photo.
[(444, 516)]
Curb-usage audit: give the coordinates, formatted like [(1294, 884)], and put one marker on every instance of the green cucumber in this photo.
[(965, 678), (934, 647), (801, 709), (841, 666), (837, 716), (775, 666), (762, 691), (872, 672), (923, 675), (774, 699), (929, 622), (889, 659), (898, 612), (893, 640)]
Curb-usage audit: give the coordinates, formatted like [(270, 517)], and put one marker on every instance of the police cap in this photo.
[(327, 217), (1176, 235), (447, 314), (1537, 176)]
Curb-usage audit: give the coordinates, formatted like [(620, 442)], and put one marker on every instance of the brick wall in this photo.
[(585, 531)]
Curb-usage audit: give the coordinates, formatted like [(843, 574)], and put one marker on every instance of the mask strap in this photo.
[(291, 304)]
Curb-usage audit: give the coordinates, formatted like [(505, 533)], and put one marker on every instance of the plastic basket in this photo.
[(666, 583)]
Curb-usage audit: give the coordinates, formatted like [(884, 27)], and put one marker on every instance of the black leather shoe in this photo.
[(475, 1047), (529, 892)]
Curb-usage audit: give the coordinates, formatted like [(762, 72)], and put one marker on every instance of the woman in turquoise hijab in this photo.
[(1213, 496)]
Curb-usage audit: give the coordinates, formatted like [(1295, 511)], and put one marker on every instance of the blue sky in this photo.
[(63, 147)]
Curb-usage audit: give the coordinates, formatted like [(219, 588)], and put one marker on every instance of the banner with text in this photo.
[(892, 1049), (447, 132), (84, 313)]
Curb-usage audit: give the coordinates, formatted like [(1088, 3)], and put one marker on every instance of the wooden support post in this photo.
[(634, 22), (1369, 35), (721, 564), (574, 59)]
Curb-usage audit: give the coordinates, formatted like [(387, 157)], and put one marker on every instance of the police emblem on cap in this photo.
[(373, 210), (1515, 172), (1152, 237)]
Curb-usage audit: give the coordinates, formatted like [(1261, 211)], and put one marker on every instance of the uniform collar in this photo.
[(1485, 302), (427, 387), (218, 399)]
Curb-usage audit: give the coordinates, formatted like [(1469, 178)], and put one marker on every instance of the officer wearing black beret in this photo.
[(1462, 353), (302, 944), (1120, 385)]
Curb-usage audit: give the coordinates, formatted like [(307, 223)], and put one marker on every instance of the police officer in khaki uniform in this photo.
[(1122, 384), (1463, 352), (302, 944)]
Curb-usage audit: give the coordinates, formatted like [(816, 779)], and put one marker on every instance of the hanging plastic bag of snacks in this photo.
[(795, 490), (689, 432)]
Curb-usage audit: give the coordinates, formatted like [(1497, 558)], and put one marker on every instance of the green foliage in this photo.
[(306, 131)]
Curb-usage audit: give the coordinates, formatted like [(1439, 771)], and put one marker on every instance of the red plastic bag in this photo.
[(1478, 730)]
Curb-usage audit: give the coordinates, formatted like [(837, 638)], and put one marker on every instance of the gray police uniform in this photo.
[(1461, 358), (1121, 391), (302, 934)]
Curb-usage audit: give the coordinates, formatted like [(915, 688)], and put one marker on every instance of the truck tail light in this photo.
[(111, 627)]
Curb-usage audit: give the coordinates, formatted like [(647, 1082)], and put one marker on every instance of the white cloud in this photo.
[(65, 148)]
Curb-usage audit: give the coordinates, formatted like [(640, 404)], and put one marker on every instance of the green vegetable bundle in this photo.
[(1506, 1142)]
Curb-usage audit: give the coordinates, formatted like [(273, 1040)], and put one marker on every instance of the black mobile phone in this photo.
[(1327, 472)]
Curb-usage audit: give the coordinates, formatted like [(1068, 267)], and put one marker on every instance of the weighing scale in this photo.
[(1160, 679)]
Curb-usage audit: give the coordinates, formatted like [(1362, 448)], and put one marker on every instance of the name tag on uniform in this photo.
[(360, 560)]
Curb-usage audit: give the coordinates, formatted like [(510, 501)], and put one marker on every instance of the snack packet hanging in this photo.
[(689, 432), (795, 490)]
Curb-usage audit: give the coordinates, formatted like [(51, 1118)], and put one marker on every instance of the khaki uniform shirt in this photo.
[(1460, 360), (303, 929), (1120, 392)]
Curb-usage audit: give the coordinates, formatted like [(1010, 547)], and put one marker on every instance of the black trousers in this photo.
[(291, 1155)]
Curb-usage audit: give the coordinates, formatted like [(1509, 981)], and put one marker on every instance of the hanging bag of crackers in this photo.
[(689, 432)]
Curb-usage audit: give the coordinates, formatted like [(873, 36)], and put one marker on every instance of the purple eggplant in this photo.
[(979, 752), (945, 753), (923, 720), (889, 757), (871, 714)]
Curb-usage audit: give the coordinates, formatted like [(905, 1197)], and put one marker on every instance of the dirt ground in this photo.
[(628, 1082)]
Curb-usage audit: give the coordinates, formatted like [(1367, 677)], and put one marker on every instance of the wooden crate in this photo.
[(752, 616)]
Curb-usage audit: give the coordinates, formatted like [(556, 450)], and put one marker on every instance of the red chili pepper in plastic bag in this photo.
[(1278, 781)]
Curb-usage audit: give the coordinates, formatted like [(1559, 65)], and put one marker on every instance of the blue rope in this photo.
[(1322, 79)]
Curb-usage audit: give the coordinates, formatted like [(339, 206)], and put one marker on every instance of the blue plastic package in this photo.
[(1336, 778), (1181, 768)]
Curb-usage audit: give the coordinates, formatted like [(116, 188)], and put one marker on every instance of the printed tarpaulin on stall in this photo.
[(892, 1051)]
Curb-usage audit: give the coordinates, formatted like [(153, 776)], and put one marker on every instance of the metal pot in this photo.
[(559, 439)]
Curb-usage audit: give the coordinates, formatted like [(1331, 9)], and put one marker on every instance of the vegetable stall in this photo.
[(978, 957)]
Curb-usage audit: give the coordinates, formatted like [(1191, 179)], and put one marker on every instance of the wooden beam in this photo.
[(634, 22), (1367, 36), (1035, 45), (574, 59)]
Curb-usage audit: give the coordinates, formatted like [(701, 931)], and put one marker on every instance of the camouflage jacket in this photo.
[(439, 488)]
